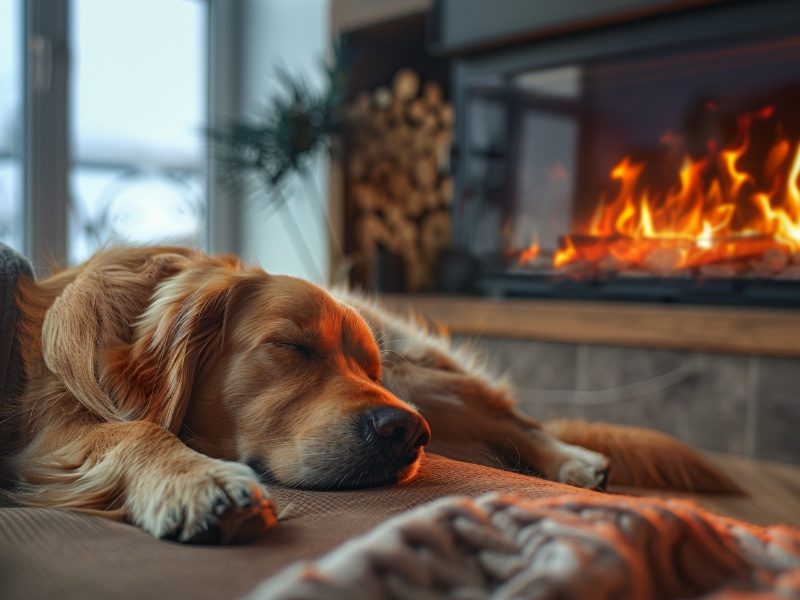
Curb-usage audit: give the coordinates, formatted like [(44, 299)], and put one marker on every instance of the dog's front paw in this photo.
[(583, 467), (214, 502)]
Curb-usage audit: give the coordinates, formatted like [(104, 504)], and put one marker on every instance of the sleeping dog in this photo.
[(164, 386)]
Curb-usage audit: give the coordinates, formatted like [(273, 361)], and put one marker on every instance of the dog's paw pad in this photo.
[(242, 521), (223, 504), (220, 506), (602, 483)]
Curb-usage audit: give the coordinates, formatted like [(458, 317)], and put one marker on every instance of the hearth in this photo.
[(649, 157)]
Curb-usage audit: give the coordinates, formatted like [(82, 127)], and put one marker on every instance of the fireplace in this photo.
[(653, 156)]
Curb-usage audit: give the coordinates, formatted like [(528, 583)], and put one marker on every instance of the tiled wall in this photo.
[(743, 404)]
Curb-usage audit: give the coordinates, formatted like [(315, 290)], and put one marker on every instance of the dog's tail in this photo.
[(646, 458)]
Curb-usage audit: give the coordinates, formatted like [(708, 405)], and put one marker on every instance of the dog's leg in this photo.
[(556, 459), (512, 441), (142, 473)]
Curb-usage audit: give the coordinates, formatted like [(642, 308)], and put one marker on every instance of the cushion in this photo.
[(12, 265)]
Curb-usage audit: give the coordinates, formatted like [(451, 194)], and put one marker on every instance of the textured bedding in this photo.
[(586, 546)]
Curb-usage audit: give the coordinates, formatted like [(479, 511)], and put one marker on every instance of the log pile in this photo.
[(399, 183)]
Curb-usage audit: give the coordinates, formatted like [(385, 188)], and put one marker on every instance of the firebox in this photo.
[(651, 158)]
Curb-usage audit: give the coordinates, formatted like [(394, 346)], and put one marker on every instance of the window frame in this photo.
[(46, 130)]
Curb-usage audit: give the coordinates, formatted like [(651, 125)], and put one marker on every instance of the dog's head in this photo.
[(273, 371)]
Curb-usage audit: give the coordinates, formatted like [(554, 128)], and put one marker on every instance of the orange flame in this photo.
[(531, 252), (565, 255), (717, 208)]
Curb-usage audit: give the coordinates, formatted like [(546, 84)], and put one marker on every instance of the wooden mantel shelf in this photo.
[(756, 331)]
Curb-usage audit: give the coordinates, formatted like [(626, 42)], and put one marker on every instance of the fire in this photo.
[(726, 205), (565, 255), (531, 252)]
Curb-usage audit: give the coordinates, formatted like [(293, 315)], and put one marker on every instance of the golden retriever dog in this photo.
[(164, 387)]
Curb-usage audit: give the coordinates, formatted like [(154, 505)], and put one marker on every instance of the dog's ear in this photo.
[(182, 330), (93, 311)]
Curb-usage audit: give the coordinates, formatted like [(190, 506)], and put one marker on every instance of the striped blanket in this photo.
[(581, 546)]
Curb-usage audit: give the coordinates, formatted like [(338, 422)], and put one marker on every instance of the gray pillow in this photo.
[(12, 266)]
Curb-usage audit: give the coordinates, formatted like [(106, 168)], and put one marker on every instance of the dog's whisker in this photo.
[(400, 355), (384, 337), (17, 413), (519, 455)]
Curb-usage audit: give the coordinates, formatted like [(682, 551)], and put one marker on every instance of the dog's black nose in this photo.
[(400, 430)]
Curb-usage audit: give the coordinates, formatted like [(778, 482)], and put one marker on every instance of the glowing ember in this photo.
[(727, 205)]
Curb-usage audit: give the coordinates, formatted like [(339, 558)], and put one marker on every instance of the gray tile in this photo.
[(777, 414), (543, 373), (698, 398)]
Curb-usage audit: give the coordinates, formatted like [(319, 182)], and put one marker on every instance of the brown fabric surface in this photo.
[(58, 554)]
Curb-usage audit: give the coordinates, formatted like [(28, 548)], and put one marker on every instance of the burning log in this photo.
[(774, 259), (611, 264), (663, 261), (590, 248), (666, 256), (731, 248)]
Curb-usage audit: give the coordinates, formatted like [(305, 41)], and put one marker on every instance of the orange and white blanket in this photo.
[(499, 546)]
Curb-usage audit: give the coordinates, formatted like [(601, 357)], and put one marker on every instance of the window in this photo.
[(137, 110), (103, 111), (12, 223)]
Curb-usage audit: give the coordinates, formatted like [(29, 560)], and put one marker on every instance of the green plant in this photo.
[(298, 125)]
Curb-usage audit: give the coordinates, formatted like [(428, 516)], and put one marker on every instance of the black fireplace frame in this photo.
[(659, 25)]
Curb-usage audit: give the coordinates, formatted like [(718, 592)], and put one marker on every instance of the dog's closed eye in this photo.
[(298, 348)]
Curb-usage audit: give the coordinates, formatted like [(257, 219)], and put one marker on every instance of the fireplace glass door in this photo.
[(662, 173)]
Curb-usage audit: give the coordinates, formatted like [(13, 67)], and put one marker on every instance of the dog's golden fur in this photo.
[(154, 373)]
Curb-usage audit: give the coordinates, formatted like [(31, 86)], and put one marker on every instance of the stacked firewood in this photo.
[(399, 182)]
